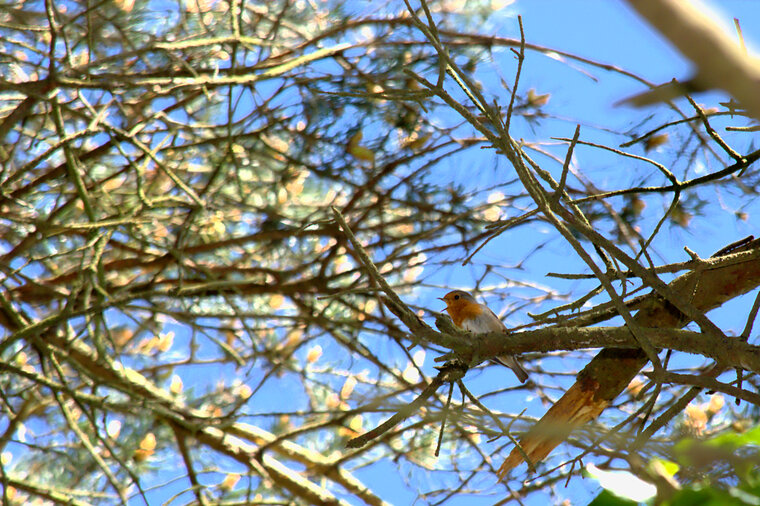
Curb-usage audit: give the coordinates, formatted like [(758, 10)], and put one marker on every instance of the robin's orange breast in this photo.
[(461, 312)]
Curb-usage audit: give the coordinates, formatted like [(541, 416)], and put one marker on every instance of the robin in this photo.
[(467, 314)]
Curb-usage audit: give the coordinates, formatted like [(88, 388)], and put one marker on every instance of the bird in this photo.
[(468, 314)]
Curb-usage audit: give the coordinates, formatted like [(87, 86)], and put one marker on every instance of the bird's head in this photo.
[(457, 298)]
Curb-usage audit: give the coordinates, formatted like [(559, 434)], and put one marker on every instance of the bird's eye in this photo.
[(456, 297)]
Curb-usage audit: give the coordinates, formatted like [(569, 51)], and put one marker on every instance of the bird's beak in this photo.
[(441, 298)]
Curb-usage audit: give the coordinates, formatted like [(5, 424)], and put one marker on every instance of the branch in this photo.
[(607, 375), (216, 433), (705, 381), (732, 352), (448, 373), (393, 301)]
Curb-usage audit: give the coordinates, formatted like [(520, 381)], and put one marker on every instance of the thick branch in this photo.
[(607, 375), (728, 352)]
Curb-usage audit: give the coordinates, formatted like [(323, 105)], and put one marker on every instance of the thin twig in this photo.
[(566, 166), (443, 420), (450, 372), (520, 58), (704, 381), (751, 319), (505, 430), (712, 133)]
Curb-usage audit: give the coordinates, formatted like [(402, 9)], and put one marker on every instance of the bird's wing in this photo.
[(487, 321), (495, 323)]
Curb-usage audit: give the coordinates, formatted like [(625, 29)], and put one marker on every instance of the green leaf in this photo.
[(666, 466), (607, 498), (709, 497), (735, 439)]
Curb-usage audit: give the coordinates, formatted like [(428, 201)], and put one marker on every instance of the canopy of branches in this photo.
[(224, 224)]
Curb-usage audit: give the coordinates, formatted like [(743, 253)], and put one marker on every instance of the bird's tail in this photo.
[(512, 363)]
